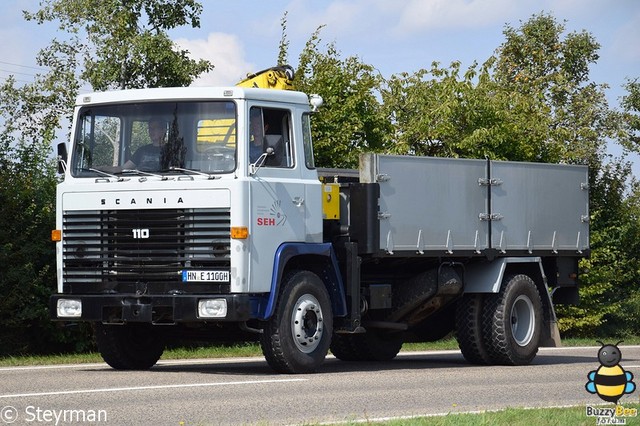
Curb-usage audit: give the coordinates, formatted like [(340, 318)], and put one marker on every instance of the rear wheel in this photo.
[(469, 329), (296, 338), (129, 347), (377, 345), (512, 321), (436, 326), (345, 347)]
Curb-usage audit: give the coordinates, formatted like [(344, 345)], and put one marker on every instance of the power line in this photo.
[(17, 72), (23, 66)]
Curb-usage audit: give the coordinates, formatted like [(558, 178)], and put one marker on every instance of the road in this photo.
[(246, 391)]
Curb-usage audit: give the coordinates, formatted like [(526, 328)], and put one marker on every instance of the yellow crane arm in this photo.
[(280, 77)]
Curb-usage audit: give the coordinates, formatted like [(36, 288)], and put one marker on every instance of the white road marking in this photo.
[(137, 388), (161, 363)]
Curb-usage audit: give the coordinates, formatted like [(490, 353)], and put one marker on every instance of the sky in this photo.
[(394, 36)]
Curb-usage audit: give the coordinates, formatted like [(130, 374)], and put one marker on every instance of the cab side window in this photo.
[(270, 132)]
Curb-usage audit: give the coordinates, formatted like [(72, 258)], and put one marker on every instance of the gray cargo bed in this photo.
[(449, 206)]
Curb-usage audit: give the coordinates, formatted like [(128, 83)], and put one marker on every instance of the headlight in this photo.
[(212, 308), (69, 308)]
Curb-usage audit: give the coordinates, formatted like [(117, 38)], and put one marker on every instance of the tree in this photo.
[(123, 43), (535, 60), (121, 50), (438, 112), (610, 274), (533, 101), (552, 70), (351, 120), (631, 105), (27, 198), (30, 116)]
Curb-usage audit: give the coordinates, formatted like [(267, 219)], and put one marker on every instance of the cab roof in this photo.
[(192, 93)]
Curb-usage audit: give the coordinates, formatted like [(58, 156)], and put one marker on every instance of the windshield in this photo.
[(155, 137)]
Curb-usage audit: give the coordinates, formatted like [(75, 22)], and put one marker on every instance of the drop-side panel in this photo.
[(429, 205), (540, 207)]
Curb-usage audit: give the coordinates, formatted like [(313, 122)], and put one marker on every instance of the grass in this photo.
[(233, 351), (250, 349), (509, 416)]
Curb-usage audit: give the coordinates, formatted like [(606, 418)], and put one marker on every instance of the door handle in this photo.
[(298, 201)]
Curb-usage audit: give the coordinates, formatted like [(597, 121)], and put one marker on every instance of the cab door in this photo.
[(277, 191)]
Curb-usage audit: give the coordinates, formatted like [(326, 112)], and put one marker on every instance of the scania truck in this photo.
[(232, 229)]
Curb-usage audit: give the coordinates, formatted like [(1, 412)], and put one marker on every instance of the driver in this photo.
[(147, 157)]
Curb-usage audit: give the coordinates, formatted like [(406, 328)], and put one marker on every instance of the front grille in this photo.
[(144, 251)]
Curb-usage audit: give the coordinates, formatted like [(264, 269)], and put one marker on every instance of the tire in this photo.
[(296, 338), (374, 345), (379, 346), (469, 329), (435, 327), (345, 347), (512, 322), (130, 346)]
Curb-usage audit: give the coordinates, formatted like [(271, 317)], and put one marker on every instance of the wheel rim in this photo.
[(307, 323), (522, 320)]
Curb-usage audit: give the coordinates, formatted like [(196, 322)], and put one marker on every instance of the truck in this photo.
[(233, 231)]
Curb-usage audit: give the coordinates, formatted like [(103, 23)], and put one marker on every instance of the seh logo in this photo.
[(274, 217)]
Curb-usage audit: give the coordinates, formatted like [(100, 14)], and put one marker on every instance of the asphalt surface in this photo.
[(247, 391)]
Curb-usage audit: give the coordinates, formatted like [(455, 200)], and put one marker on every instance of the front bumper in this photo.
[(154, 309)]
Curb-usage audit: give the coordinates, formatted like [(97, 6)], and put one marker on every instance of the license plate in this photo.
[(206, 276)]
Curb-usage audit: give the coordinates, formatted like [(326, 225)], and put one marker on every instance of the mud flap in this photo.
[(550, 335)]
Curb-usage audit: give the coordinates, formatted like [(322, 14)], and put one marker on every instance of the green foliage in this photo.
[(611, 276), (533, 101), (283, 48), (631, 116), (552, 72), (530, 102), (27, 256), (437, 112), (123, 43), (351, 120), (112, 43)]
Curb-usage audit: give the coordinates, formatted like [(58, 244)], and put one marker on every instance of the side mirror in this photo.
[(62, 157), (253, 168)]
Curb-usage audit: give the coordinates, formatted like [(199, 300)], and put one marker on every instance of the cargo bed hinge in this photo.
[(490, 216), (489, 182)]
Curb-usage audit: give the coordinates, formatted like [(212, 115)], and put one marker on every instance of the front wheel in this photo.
[(512, 321), (130, 346), (296, 338)]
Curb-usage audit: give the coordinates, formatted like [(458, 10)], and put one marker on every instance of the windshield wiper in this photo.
[(100, 172), (140, 172), (195, 172)]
